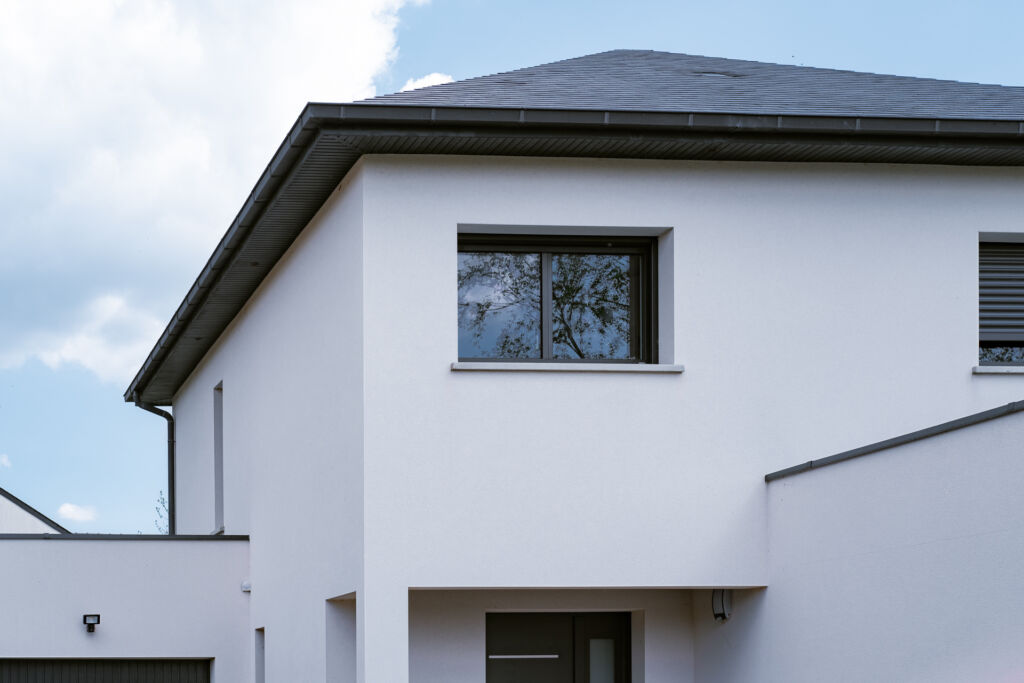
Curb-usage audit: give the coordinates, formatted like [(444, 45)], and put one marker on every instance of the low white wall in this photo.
[(904, 565), (15, 520), (447, 633), (156, 599)]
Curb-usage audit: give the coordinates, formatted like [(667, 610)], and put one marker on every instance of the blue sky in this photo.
[(132, 131)]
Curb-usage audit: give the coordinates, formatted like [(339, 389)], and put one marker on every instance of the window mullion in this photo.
[(546, 321)]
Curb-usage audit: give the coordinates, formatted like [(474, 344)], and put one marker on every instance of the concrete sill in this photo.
[(622, 368), (998, 370)]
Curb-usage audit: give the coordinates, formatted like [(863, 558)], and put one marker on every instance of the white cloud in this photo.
[(428, 80), (77, 513), (111, 338), (4, 460), (132, 133)]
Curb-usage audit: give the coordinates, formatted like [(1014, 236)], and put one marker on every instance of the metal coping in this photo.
[(952, 425), (545, 129), (120, 537), (32, 511)]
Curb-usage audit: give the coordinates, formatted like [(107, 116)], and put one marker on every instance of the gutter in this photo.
[(171, 497), (324, 114)]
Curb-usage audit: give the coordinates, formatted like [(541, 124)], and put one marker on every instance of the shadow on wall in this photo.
[(729, 651)]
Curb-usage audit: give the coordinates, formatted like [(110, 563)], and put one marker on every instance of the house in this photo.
[(18, 517), (637, 367)]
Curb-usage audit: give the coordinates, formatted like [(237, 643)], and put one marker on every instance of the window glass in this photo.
[(564, 299), (499, 305), (994, 355), (592, 305), (602, 660)]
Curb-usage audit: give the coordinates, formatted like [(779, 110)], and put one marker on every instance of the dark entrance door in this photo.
[(590, 647), (104, 670)]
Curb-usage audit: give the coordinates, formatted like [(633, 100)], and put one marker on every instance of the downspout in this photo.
[(171, 526)]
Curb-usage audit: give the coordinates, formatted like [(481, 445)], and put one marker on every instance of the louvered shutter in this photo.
[(1001, 292)]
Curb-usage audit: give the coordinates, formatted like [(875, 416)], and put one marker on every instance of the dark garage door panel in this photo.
[(104, 671)]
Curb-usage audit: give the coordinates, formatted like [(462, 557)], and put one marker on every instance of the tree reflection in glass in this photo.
[(499, 305), (995, 355), (591, 305), (584, 303)]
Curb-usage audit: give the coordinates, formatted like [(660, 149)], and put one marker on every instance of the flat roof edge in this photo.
[(952, 425)]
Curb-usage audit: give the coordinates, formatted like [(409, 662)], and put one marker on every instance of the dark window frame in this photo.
[(645, 307)]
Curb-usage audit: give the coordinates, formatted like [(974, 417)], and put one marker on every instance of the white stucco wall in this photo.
[(816, 308), (291, 368), (15, 520), (898, 566), (156, 599), (447, 634)]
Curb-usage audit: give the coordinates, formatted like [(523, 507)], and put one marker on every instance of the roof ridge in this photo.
[(769, 70), (369, 100), (833, 70)]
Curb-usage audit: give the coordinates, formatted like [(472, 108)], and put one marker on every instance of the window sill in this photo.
[(623, 368), (998, 370)]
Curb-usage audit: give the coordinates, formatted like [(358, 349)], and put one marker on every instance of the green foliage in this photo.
[(162, 515)]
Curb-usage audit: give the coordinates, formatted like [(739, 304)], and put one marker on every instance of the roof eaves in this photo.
[(341, 119), (288, 152)]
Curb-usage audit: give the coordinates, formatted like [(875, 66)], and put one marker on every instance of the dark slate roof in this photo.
[(644, 80)]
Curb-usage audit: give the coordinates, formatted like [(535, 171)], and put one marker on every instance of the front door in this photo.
[(588, 647)]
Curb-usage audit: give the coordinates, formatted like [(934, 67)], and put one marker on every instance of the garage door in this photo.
[(104, 671)]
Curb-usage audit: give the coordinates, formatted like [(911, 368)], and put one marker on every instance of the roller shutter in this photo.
[(1001, 292)]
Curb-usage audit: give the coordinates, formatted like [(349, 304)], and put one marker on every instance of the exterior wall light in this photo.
[(721, 604), (90, 621)]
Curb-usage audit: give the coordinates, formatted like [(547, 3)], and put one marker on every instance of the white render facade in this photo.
[(393, 497), (356, 458)]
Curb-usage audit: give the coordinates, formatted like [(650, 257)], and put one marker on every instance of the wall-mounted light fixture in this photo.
[(90, 621), (721, 604)]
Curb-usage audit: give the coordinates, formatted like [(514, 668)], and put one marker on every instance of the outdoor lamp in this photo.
[(721, 604), (90, 621)]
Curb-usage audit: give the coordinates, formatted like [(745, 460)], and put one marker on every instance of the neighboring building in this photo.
[(18, 517), (434, 374)]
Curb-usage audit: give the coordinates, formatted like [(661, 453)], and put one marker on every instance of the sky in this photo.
[(132, 131)]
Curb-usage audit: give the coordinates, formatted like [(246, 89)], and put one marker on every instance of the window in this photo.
[(539, 298), (1001, 303)]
